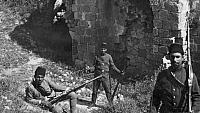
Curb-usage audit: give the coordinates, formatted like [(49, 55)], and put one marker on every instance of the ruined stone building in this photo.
[(139, 29)]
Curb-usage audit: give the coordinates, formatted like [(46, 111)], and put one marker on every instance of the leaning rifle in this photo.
[(190, 71), (60, 97)]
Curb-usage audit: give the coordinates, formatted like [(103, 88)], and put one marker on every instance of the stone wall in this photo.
[(195, 35), (139, 29)]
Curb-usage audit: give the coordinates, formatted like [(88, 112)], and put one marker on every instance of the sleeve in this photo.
[(195, 94), (56, 87), (29, 96), (113, 65), (156, 98)]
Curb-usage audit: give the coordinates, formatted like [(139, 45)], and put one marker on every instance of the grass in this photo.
[(16, 52)]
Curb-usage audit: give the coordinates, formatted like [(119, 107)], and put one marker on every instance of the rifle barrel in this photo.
[(58, 98)]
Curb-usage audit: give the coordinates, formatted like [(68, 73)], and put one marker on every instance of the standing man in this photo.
[(41, 88), (103, 62), (170, 94)]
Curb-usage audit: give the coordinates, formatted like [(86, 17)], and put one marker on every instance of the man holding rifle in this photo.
[(171, 90), (41, 88), (102, 63)]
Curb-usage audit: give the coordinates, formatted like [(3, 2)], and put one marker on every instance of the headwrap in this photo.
[(40, 71), (176, 48)]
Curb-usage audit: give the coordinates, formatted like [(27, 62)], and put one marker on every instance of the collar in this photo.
[(179, 75)]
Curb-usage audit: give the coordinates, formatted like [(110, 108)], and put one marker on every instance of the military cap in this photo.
[(104, 45), (176, 48)]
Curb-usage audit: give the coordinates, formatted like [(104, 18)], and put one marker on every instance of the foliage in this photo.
[(22, 7)]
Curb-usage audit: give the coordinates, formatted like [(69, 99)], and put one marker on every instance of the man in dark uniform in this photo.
[(102, 63), (41, 88), (170, 94)]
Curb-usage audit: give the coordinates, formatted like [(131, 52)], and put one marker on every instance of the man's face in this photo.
[(39, 79), (103, 50), (176, 60)]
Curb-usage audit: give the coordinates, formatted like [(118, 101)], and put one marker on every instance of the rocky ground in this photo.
[(17, 65)]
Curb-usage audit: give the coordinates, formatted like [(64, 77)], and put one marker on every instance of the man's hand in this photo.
[(122, 73), (46, 104), (66, 90)]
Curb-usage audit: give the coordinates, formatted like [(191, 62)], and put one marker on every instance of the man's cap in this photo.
[(40, 71), (104, 45), (176, 48)]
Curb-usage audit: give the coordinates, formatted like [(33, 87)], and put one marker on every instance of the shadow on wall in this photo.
[(45, 38)]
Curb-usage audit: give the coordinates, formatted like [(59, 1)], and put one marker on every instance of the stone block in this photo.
[(88, 2), (90, 17), (165, 41), (155, 48), (91, 48), (166, 25), (142, 53), (163, 33), (85, 8), (100, 31), (155, 32), (166, 33), (198, 49), (83, 23), (81, 40), (95, 33), (80, 2), (89, 40), (163, 49), (174, 26), (75, 7), (156, 15), (196, 39), (94, 9), (99, 16), (88, 32), (173, 17), (77, 15), (156, 7), (74, 50), (171, 7), (97, 24), (154, 2), (156, 40), (80, 31), (198, 6), (175, 33), (193, 32), (194, 47), (157, 23), (163, 14)]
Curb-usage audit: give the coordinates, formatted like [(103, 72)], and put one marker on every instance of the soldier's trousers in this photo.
[(106, 85), (73, 101)]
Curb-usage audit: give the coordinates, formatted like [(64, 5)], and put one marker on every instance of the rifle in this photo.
[(190, 71), (60, 97)]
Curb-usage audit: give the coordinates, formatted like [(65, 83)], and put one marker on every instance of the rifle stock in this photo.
[(60, 97)]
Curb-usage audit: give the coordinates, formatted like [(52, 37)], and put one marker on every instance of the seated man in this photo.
[(40, 88)]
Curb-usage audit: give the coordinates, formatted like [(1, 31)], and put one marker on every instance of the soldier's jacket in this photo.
[(171, 92), (104, 62), (34, 92)]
